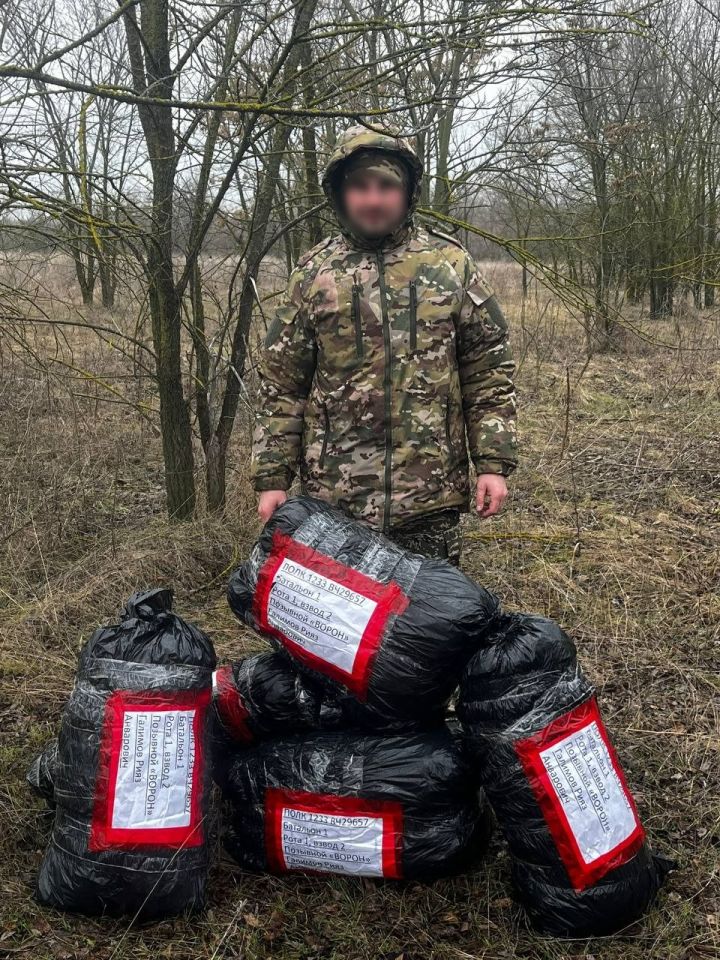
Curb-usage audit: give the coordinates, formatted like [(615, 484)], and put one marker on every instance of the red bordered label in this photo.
[(229, 705), (327, 615), (150, 771), (580, 787), (321, 833)]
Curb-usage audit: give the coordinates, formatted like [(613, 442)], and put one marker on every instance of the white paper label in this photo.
[(321, 615), (592, 797), (153, 788), (335, 843)]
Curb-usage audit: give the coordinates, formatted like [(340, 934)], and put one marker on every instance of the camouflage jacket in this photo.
[(385, 369)]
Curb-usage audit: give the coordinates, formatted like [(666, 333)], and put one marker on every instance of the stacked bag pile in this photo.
[(336, 756), (369, 637), (333, 750)]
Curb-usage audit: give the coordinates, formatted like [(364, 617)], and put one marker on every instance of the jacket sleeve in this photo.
[(285, 370), (486, 368)]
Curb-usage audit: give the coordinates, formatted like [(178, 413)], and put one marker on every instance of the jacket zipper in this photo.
[(356, 317), (325, 435), (413, 315), (448, 441), (387, 386)]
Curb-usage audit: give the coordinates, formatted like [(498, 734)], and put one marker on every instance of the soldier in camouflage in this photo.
[(387, 369)]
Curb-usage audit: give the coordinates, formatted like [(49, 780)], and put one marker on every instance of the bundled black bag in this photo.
[(131, 779), (386, 631), (262, 696), (355, 803), (581, 864)]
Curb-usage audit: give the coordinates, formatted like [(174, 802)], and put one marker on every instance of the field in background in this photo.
[(612, 527)]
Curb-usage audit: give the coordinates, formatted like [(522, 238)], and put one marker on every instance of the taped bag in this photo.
[(130, 779), (386, 631), (262, 696), (581, 863), (355, 803)]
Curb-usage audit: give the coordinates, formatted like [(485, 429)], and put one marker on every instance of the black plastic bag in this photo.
[(41, 773), (400, 807), (581, 864), (386, 631), (262, 696), (132, 777)]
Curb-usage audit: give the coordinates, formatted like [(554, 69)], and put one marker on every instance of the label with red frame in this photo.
[(150, 767), (581, 789), (321, 833), (326, 614)]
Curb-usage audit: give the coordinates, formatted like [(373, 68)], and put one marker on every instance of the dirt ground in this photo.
[(612, 527)]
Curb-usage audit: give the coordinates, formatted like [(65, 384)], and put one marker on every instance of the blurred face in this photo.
[(374, 204)]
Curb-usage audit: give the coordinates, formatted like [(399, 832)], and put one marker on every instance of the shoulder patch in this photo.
[(445, 236), (309, 254)]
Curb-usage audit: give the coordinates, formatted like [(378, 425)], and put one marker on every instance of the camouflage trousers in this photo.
[(437, 534)]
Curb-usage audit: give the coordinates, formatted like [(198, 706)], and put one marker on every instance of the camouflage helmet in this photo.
[(360, 137)]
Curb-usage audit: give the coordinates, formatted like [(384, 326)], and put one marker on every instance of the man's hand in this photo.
[(269, 500), (491, 487)]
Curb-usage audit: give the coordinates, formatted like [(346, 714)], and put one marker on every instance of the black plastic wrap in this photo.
[(401, 807), (386, 631), (42, 771), (581, 864), (132, 777), (263, 696)]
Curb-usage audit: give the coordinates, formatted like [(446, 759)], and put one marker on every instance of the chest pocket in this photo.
[(342, 332), (431, 321)]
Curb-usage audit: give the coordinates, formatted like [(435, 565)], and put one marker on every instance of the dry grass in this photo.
[(613, 527)]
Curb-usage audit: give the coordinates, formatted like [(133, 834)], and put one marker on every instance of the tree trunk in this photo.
[(254, 253), (149, 52), (661, 298), (312, 177), (107, 286), (215, 466), (174, 412)]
